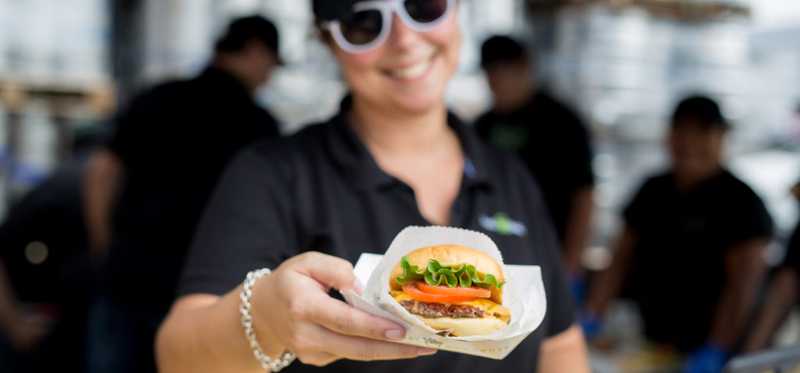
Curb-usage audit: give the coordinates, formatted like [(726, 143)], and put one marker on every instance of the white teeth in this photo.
[(412, 72)]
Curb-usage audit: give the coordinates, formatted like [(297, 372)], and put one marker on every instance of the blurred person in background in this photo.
[(147, 189), (547, 135), (782, 294), (46, 273), (392, 157), (691, 250)]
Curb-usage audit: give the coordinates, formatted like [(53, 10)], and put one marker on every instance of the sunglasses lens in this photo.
[(363, 27), (426, 11)]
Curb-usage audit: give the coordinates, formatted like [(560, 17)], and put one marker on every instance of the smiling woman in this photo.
[(393, 157)]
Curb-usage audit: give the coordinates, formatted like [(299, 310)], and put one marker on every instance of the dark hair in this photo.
[(330, 10), (501, 49), (246, 29), (701, 110)]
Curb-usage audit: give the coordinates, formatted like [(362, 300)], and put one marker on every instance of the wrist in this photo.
[(268, 363), (261, 301)]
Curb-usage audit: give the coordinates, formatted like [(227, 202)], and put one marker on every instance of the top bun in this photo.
[(448, 255)]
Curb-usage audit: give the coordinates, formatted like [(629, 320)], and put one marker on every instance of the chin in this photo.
[(420, 99), (419, 104)]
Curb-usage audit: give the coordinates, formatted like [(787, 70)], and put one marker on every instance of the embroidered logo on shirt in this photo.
[(502, 224)]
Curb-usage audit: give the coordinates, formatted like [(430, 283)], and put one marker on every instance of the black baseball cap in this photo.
[(702, 110), (242, 30), (501, 49)]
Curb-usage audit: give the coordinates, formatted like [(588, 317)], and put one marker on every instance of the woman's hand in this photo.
[(292, 310)]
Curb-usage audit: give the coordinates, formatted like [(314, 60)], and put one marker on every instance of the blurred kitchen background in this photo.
[(66, 65)]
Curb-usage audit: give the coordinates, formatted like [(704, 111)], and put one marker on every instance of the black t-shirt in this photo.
[(174, 142), (678, 272), (322, 190), (553, 142)]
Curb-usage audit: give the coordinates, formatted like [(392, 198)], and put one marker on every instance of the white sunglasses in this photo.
[(370, 23)]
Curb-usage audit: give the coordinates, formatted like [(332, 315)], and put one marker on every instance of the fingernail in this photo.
[(426, 351), (358, 287), (395, 334)]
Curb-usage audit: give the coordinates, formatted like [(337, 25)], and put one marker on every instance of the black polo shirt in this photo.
[(678, 272), (321, 190), (553, 143), (174, 142)]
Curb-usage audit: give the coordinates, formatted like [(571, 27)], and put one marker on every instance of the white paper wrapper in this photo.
[(523, 293)]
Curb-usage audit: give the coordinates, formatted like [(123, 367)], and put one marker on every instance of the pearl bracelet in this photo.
[(249, 331)]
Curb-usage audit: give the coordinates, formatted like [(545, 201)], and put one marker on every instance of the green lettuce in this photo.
[(435, 274)]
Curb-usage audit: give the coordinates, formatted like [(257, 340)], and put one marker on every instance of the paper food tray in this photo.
[(523, 293)]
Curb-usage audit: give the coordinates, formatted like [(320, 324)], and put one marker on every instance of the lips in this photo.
[(412, 71)]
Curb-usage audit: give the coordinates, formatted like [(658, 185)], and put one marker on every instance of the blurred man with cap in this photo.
[(547, 135), (146, 190), (690, 253), (46, 277)]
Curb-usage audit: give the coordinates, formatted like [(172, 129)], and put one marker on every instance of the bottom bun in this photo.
[(465, 327)]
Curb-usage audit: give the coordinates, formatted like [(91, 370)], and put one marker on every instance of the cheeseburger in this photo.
[(454, 289)]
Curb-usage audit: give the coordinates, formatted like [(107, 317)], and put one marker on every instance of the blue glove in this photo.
[(592, 325), (707, 359)]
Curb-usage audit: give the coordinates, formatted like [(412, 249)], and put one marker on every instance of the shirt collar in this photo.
[(351, 154)]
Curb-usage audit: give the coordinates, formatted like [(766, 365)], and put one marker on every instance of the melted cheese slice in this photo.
[(485, 305)]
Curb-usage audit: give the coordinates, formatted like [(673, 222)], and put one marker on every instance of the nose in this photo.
[(402, 37)]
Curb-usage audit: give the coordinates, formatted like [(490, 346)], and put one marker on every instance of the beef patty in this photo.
[(434, 310)]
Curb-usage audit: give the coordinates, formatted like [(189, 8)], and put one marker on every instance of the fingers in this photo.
[(338, 316), (322, 330), (344, 319), (353, 348), (328, 270)]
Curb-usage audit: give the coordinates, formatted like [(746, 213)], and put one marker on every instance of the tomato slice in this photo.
[(456, 291), (414, 292)]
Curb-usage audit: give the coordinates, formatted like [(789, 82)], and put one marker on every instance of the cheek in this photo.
[(713, 150), (357, 67), (448, 37), (359, 61), (445, 32), (508, 81), (677, 145)]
